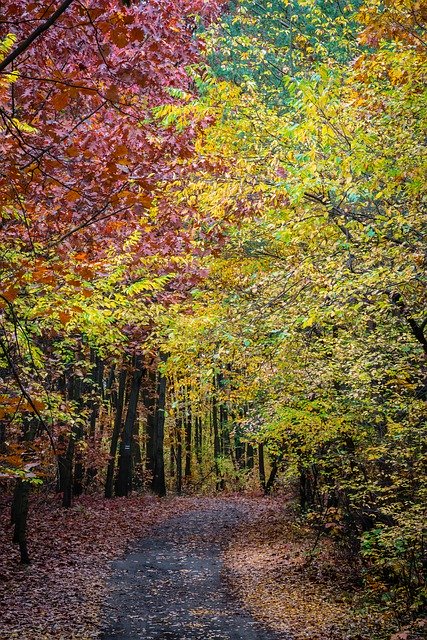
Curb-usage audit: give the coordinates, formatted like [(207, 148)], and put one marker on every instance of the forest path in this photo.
[(170, 585)]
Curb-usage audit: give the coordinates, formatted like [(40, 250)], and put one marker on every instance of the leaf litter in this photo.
[(267, 564)]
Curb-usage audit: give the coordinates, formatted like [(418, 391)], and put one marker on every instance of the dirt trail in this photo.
[(170, 585)]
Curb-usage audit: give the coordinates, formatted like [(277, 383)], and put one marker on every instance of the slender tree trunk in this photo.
[(273, 473), (178, 460), (155, 403), (97, 397), (19, 518), (158, 483), (19, 511), (66, 448), (198, 439), (188, 435), (217, 444), (78, 388), (118, 402), (261, 466), (65, 461), (172, 461), (239, 448), (303, 489), (124, 475), (149, 398), (249, 456), (136, 457), (225, 440), (67, 474)]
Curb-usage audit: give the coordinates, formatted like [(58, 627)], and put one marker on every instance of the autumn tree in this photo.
[(318, 302), (89, 248)]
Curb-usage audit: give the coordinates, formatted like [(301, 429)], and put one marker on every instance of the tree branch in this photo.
[(34, 35)]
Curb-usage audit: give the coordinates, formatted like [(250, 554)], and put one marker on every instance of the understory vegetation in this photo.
[(213, 265)]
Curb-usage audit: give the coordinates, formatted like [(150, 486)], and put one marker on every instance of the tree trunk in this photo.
[(217, 443), (66, 473), (172, 461), (198, 439), (97, 397), (305, 489), (19, 510), (188, 436), (137, 473), (261, 466), (178, 461), (3, 446), (77, 436), (155, 403), (273, 473), (19, 518), (124, 475), (149, 398), (158, 484), (239, 448), (118, 402), (249, 456)]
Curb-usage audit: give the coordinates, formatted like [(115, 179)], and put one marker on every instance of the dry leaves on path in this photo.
[(60, 594), (312, 600)]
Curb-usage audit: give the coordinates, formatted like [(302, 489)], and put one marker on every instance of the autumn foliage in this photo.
[(213, 262)]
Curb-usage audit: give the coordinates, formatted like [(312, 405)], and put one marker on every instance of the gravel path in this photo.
[(170, 587)]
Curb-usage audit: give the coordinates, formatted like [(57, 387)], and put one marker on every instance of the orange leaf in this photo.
[(39, 405), (119, 38), (72, 196), (112, 94), (60, 100), (10, 294), (72, 151), (64, 317)]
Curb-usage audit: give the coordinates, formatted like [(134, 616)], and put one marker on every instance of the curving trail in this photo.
[(170, 587)]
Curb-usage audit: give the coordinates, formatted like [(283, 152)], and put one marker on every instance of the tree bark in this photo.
[(136, 455), (261, 466), (198, 439), (149, 398), (239, 448), (249, 456), (217, 442), (19, 511), (273, 473), (97, 397), (79, 387), (155, 403), (118, 403), (66, 473), (19, 518), (188, 435), (158, 483), (124, 475), (178, 461)]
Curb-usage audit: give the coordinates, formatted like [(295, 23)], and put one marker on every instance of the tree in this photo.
[(85, 232), (319, 299)]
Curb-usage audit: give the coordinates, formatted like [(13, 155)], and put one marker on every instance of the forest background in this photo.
[(213, 261)]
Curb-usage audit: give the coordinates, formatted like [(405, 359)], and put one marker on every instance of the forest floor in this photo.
[(183, 567)]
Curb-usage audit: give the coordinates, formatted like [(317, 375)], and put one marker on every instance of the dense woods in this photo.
[(213, 263)]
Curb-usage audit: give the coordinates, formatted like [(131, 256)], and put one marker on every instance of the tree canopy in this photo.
[(213, 260)]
